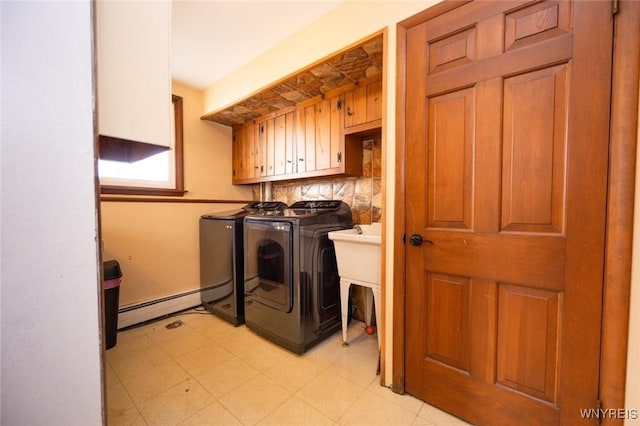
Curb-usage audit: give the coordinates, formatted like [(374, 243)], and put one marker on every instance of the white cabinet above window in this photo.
[(133, 73)]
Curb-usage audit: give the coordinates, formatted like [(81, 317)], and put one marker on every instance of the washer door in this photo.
[(268, 262)]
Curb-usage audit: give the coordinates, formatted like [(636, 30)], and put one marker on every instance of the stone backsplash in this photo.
[(363, 194)]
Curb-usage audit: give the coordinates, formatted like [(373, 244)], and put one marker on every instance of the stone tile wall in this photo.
[(363, 194)]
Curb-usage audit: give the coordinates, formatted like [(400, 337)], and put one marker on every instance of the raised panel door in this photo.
[(507, 107)]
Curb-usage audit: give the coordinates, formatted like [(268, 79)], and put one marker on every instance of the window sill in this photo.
[(134, 190)]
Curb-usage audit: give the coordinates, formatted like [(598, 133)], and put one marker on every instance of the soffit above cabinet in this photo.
[(344, 68)]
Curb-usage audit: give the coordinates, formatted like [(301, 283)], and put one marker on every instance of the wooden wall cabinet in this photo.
[(318, 137)]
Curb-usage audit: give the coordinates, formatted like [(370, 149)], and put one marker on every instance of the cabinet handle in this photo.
[(349, 111), (289, 161), (300, 159)]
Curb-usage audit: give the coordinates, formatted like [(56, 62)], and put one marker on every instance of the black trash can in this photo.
[(111, 285)]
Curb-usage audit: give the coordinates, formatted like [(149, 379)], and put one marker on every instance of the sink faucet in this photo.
[(357, 228)]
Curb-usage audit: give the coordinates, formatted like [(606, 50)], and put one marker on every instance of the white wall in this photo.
[(50, 339)]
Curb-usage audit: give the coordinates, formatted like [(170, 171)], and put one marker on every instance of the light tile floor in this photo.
[(208, 372)]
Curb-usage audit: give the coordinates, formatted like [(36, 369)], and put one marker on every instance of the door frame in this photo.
[(620, 201)]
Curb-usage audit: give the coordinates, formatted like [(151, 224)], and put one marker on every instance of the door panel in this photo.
[(447, 322), (535, 130), (528, 323), (451, 160), (507, 142)]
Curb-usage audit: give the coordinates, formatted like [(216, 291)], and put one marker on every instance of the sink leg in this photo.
[(344, 304), (376, 299), (368, 302)]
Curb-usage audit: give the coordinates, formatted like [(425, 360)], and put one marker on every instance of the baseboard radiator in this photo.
[(153, 309)]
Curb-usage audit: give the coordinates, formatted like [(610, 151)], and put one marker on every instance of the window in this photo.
[(157, 174)]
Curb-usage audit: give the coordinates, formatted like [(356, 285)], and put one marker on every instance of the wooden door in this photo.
[(507, 109)]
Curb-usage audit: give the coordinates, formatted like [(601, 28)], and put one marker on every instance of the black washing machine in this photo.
[(292, 286), (221, 260)]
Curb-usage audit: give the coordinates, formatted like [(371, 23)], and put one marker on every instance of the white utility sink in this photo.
[(358, 258), (358, 255)]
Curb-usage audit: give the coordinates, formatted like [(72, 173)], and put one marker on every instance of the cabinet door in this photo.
[(310, 138), (306, 138), (243, 155), (374, 101), (337, 139), (298, 159), (270, 151), (323, 134), (289, 143), (355, 106), (261, 138), (250, 150), (328, 135), (237, 154), (282, 145)]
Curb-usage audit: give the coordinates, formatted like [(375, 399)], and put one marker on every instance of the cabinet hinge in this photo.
[(614, 8), (339, 157), (339, 104)]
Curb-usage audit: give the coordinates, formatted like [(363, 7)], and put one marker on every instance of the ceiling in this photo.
[(212, 38)]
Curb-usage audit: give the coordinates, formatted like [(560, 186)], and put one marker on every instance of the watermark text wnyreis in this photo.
[(609, 413)]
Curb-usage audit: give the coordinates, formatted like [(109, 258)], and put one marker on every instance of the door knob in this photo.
[(417, 240)]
